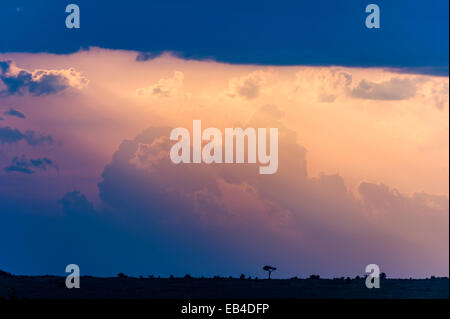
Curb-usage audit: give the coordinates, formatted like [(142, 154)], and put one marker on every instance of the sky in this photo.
[(362, 115)]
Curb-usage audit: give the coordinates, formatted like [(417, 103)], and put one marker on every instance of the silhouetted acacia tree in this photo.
[(269, 269)]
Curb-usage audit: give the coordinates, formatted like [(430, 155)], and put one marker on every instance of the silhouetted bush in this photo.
[(4, 274), (122, 275), (249, 278), (231, 277), (242, 277), (171, 277), (383, 276), (358, 278), (294, 278), (314, 277), (187, 276), (151, 276), (141, 277), (348, 280)]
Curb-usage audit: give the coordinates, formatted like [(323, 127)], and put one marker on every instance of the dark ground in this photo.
[(53, 287)]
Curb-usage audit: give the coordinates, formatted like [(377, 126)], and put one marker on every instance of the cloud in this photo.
[(16, 113), (164, 87), (393, 89), (228, 218), (146, 56), (1, 118), (440, 95), (17, 81), (434, 92), (75, 203), (381, 198), (248, 86), (327, 83), (11, 136), (29, 166), (431, 70), (430, 91), (424, 215), (18, 169), (285, 217)]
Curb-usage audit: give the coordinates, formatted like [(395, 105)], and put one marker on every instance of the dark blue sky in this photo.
[(413, 34)]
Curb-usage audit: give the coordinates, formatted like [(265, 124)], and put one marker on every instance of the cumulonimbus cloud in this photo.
[(17, 81)]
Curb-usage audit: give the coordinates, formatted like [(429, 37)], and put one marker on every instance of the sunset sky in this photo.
[(85, 120)]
